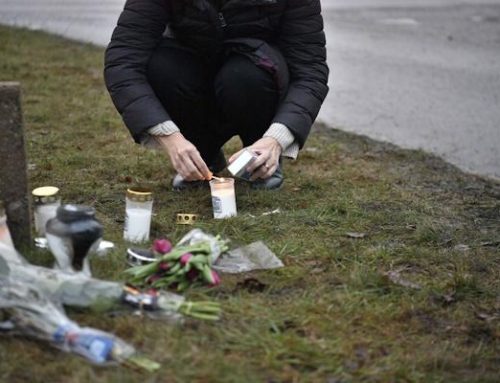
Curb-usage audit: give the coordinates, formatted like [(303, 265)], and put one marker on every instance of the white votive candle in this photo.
[(137, 225), (223, 197), (47, 201), (138, 213)]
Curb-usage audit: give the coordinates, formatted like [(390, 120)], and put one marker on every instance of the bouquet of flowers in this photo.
[(187, 264), (26, 311), (79, 290)]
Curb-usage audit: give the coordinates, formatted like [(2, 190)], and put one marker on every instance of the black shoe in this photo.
[(178, 183), (271, 183), (217, 165)]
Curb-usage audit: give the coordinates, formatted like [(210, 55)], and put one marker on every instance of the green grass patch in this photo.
[(332, 314)]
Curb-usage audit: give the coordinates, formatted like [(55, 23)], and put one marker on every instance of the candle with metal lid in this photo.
[(47, 201), (139, 209)]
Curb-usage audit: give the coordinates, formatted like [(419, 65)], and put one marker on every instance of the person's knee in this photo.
[(172, 74), (241, 83)]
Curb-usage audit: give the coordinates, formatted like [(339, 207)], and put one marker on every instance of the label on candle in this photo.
[(217, 205), (224, 206)]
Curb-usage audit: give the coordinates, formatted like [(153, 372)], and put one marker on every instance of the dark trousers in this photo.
[(213, 99)]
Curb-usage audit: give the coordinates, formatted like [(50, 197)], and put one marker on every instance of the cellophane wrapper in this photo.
[(27, 311)]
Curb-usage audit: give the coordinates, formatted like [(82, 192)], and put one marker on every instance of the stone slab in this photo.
[(14, 190)]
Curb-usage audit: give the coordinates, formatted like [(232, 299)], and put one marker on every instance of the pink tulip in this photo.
[(153, 278), (215, 278), (162, 246), (192, 274), (163, 266), (185, 258)]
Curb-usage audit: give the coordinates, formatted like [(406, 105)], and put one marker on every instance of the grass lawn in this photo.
[(343, 309)]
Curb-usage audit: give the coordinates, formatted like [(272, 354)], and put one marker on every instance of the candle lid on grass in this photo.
[(140, 194), (45, 194)]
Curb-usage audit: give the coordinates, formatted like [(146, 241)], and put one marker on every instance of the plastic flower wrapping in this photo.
[(27, 311), (189, 263), (79, 290), (31, 299)]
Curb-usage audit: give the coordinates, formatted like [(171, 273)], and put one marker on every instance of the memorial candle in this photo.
[(47, 201), (223, 197), (138, 212)]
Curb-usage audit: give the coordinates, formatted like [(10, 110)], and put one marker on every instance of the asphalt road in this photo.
[(422, 74), (417, 73)]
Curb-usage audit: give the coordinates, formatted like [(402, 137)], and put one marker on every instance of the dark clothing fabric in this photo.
[(206, 101), (257, 29)]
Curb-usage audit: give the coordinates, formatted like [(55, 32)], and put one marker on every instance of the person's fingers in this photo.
[(263, 172), (259, 161), (200, 165), (269, 171), (180, 168), (186, 168), (268, 168), (259, 173), (193, 173)]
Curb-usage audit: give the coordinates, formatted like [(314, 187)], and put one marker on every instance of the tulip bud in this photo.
[(153, 278), (210, 276), (163, 266), (192, 274), (185, 258), (162, 246), (215, 278)]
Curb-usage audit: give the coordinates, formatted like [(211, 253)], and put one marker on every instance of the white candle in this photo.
[(223, 197), (46, 203), (137, 225), (42, 214), (138, 213)]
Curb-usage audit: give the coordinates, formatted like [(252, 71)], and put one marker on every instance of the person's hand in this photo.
[(185, 158), (268, 152)]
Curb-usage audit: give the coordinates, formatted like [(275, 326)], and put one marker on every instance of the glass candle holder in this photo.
[(46, 201), (138, 212), (223, 197)]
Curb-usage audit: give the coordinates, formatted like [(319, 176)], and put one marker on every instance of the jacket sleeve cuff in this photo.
[(166, 128), (289, 146)]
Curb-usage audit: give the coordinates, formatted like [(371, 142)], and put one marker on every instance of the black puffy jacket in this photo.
[(295, 27)]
